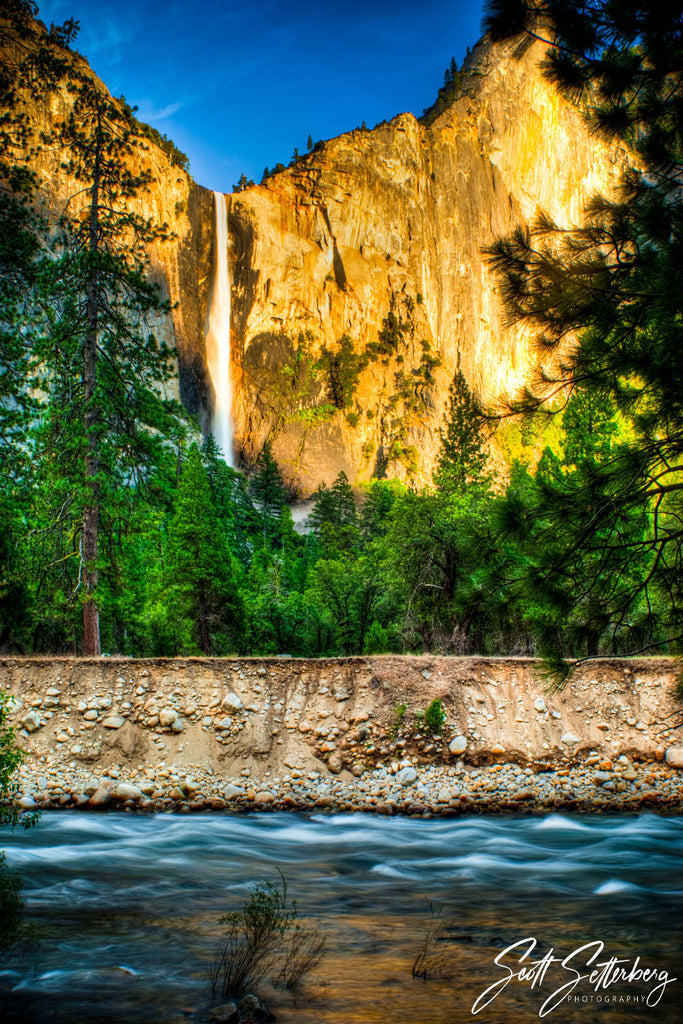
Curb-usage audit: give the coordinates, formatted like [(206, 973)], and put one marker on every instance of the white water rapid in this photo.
[(218, 334)]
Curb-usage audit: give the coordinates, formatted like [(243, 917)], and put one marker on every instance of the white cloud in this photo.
[(148, 112)]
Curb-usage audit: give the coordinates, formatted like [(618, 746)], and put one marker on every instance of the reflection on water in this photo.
[(126, 910)]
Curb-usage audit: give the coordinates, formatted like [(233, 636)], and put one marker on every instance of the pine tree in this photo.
[(616, 285), (309, 143), (107, 421), (462, 457), (375, 515), (243, 183), (334, 518), (450, 74), (266, 484), (267, 489)]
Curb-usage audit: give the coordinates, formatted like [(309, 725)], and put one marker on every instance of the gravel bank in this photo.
[(597, 785)]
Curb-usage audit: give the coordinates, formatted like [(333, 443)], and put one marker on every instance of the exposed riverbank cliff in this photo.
[(194, 734)]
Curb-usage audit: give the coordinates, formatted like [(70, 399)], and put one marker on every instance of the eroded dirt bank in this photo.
[(197, 733)]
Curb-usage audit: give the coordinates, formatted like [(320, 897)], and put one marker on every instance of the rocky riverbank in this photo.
[(349, 734), (401, 788)]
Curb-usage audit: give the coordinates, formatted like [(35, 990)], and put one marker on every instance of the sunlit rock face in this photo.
[(395, 219), (376, 236)]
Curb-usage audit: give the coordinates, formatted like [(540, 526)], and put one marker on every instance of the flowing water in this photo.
[(218, 334), (125, 912)]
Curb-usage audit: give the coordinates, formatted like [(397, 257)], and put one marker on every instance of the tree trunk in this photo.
[(91, 514)]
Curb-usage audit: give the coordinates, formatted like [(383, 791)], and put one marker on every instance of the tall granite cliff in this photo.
[(358, 281), (390, 223)]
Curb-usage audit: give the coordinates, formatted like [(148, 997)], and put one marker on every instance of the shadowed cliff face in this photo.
[(358, 281)]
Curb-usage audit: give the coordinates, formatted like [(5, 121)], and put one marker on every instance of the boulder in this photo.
[(100, 798), (569, 739), (126, 791), (406, 776), (251, 1007), (167, 717), (674, 757), (231, 702), (458, 745), (31, 722), (113, 722), (227, 1013)]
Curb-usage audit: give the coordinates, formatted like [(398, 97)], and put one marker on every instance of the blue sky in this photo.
[(238, 85)]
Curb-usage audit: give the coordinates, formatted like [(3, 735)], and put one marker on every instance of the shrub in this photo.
[(343, 369), (12, 929), (432, 959), (11, 911), (399, 715), (263, 939), (303, 952), (434, 717)]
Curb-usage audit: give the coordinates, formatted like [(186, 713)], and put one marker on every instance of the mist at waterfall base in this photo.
[(218, 334), (126, 908)]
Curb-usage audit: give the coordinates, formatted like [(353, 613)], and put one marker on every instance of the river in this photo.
[(125, 912)]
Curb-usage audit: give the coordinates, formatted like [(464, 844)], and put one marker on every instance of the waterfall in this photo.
[(218, 334)]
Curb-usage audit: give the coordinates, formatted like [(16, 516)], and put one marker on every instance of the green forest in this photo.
[(121, 530)]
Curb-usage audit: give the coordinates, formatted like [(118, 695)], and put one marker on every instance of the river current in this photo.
[(125, 914)]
